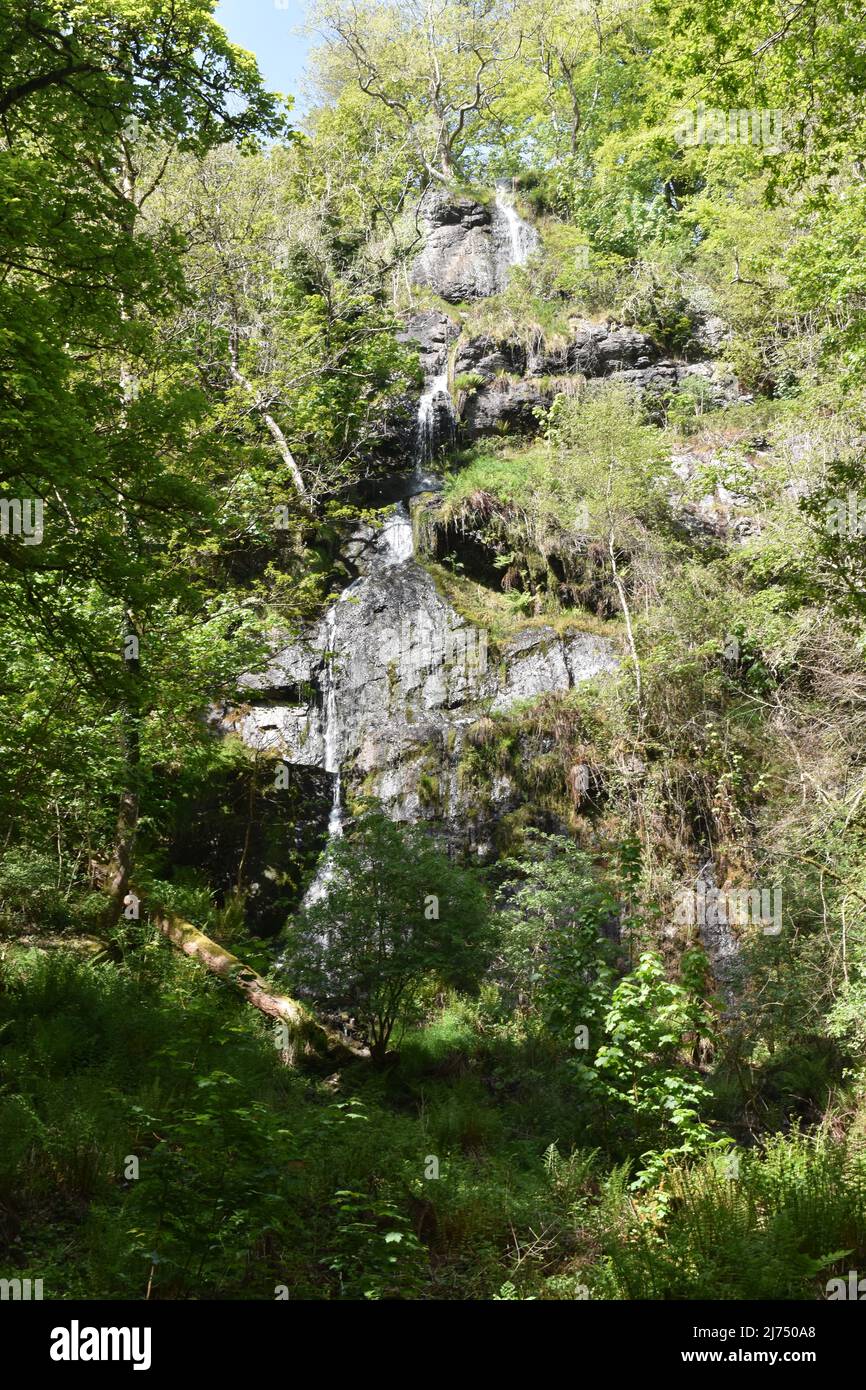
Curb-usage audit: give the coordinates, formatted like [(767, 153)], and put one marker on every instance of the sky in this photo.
[(268, 28)]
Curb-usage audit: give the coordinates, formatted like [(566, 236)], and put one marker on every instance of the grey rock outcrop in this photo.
[(512, 381), (431, 332), (461, 256), (409, 676), (719, 513), (486, 357), (538, 660), (600, 349), (717, 388), (592, 350), (505, 406), (468, 247)]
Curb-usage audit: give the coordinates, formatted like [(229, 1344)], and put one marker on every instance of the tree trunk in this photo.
[(274, 430), (303, 1032), (120, 866), (635, 660)]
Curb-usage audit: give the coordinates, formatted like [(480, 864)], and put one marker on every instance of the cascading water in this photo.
[(435, 400), (396, 542), (395, 545), (513, 242), (319, 886), (434, 425), (522, 238)]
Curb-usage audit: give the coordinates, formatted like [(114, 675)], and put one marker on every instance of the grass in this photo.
[(500, 614), (251, 1176), (499, 467)]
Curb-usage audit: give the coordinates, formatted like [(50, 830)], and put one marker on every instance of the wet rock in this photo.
[(431, 332), (410, 677), (467, 248), (506, 406)]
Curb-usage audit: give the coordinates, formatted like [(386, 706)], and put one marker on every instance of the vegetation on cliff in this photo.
[(625, 1055)]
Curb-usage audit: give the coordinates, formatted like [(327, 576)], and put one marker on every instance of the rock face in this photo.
[(468, 246), (460, 260), (718, 388), (721, 513), (593, 350), (600, 349), (511, 382), (431, 332), (505, 406), (538, 660), (406, 676), (487, 357)]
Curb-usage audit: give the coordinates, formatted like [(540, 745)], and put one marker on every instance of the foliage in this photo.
[(553, 959), (647, 1027), (397, 913)]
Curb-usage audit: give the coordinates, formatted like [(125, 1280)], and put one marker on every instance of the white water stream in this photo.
[(395, 545), (523, 238), (435, 399)]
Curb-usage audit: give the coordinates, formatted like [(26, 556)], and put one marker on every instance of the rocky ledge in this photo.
[(508, 383)]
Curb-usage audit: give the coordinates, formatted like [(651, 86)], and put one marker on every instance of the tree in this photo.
[(291, 343), (802, 57), (397, 913), (576, 76), (103, 422), (553, 957), (438, 66)]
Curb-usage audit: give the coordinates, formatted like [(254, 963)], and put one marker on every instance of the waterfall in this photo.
[(331, 734), (523, 239), (395, 545), (434, 425), (331, 720), (435, 399)]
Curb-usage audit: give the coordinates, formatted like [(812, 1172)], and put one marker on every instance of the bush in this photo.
[(397, 913), (29, 896), (776, 1230)]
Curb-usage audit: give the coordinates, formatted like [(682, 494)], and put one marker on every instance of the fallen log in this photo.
[(302, 1034)]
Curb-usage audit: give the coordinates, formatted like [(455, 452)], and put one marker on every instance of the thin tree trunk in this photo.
[(120, 865), (620, 589), (276, 433), (119, 869)]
